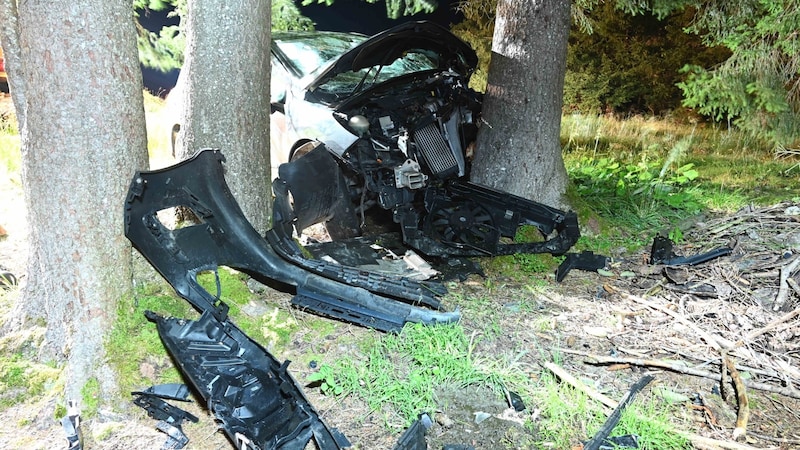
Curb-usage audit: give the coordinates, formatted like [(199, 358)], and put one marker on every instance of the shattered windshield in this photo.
[(351, 82)]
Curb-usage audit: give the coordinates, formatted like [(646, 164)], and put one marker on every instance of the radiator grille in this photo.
[(435, 151)]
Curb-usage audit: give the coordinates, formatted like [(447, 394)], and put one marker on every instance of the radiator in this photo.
[(435, 150)]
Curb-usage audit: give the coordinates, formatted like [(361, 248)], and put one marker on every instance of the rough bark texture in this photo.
[(226, 98), (77, 87), (518, 145)]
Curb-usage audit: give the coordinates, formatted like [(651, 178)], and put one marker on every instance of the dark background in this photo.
[(344, 15)]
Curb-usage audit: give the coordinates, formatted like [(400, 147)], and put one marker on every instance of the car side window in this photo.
[(279, 81)]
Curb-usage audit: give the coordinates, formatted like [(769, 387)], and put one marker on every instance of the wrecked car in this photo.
[(391, 130), (389, 126)]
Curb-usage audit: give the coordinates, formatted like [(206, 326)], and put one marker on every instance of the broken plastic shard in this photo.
[(248, 390), (71, 425)]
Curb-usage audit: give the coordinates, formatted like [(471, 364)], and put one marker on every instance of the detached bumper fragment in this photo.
[(222, 236), (257, 402), (169, 417), (661, 253)]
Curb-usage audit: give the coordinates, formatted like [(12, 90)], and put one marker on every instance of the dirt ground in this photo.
[(608, 329)]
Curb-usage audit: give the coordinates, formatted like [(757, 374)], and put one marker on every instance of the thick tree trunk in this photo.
[(78, 91), (226, 98), (518, 147)]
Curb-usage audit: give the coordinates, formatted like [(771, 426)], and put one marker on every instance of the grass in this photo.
[(399, 375), (640, 176), (22, 377), (569, 416), (272, 327), (664, 146), (159, 120), (134, 348)]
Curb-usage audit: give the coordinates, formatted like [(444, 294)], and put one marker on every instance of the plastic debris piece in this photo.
[(661, 253), (414, 437), (516, 401), (71, 424), (584, 261), (480, 416)]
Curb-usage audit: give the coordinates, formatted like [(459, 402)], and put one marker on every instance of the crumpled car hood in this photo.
[(387, 46)]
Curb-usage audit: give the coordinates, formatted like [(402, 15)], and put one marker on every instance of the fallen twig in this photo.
[(598, 359), (597, 440), (764, 437), (783, 286), (705, 336), (703, 442), (772, 325), (696, 440), (743, 410), (577, 384)]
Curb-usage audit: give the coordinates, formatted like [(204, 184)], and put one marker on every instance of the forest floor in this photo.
[(609, 329)]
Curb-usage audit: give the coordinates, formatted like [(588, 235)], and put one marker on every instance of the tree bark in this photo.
[(77, 89), (226, 98), (518, 148)]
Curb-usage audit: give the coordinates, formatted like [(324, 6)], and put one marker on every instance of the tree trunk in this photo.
[(518, 148), (77, 89), (226, 98)]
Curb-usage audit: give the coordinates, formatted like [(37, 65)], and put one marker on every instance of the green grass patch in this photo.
[(91, 398), (647, 163), (134, 348), (523, 266), (569, 417), (22, 379), (400, 373), (271, 326), (641, 176)]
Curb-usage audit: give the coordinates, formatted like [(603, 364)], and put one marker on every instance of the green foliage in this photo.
[(286, 16), (631, 63), (756, 87), (161, 50), (59, 412), (326, 376), (164, 49), (394, 8), (92, 398), (637, 186), (648, 175)]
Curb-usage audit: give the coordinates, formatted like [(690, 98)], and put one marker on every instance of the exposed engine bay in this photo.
[(412, 158)]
